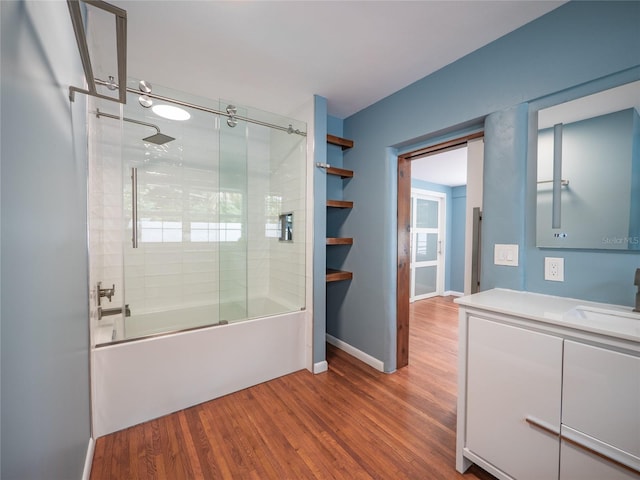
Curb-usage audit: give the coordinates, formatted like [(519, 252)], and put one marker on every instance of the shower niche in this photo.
[(192, 217)]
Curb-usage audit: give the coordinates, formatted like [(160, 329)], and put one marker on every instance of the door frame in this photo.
[(404, 239)]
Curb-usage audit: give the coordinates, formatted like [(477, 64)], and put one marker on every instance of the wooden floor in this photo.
[(351, 422)]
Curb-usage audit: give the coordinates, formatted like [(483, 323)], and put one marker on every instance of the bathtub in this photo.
[(140, 325), (136, 381)]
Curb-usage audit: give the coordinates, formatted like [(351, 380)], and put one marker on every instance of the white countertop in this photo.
[(602, 318)]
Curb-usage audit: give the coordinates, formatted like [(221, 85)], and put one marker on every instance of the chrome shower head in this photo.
[(158, 138)]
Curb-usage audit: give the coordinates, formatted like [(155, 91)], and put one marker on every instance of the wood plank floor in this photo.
[(351, 422)]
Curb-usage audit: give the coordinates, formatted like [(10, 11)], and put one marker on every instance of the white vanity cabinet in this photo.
[(542, 396)]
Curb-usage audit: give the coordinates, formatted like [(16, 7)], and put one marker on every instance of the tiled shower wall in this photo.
[(288, 180), (105, 215), (161, 276)]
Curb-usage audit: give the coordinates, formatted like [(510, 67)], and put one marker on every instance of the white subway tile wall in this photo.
[(201, 243)]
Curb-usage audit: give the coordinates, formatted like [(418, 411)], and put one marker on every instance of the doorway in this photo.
[(405, 260)]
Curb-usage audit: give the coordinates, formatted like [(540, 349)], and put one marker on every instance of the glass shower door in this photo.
[(231, 211), (171, 270), (192, 215)]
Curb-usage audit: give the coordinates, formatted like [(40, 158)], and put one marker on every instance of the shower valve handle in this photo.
[(105, 292)]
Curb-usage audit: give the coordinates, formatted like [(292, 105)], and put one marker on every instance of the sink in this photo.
[(596, 314)]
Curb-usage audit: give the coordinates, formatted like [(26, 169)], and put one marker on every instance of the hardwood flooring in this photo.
[(351, 422)]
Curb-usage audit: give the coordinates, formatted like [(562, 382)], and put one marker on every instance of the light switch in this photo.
[(505, 254)]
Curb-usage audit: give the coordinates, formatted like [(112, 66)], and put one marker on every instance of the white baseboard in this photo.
[(453, 293), (88, 461), (359, 354), (320, 367)]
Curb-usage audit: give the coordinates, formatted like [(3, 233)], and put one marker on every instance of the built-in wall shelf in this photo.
[(339, 204), (337, 275), (334, 275), (339, 141), (341, 172), (339, 241)]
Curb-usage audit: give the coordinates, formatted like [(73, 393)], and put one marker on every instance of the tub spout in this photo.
[(104, 312)]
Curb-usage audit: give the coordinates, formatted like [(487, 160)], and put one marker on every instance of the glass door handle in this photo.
[(134, 207)]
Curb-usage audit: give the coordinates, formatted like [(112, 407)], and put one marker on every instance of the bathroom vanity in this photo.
[(548, 387)]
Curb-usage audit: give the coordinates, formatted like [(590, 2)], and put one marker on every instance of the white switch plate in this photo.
[(554, 269), (505, 254)]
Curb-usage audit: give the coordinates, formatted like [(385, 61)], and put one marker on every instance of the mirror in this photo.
[(589, 172)]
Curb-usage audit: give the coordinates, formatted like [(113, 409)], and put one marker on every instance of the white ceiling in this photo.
[(274, 55), (447, 168)]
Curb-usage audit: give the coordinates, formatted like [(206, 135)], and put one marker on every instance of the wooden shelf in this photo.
[(334, 275), (339, 204), (341, 172), (339, 241), (337, 275), (339, 141)]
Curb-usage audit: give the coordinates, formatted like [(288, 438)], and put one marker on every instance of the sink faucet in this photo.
[(636, 282)]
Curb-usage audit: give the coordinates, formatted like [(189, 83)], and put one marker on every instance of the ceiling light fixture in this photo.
[(171, 112)]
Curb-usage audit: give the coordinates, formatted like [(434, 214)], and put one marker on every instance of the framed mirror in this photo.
[(588, 181)]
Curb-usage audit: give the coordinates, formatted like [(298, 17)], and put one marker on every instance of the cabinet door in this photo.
[(601, 395), (577, 464), (513, 375)]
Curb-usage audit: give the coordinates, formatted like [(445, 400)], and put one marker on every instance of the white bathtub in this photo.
[(175, 320), (144, 379), (139, 325)]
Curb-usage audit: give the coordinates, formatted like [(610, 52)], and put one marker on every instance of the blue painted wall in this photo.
[(319, 229), (45, 313), (503, 195), (575, 44)]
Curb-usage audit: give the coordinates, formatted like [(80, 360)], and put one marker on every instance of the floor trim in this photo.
[(359, 354), (88, 461), (453, 293), (320, 367)]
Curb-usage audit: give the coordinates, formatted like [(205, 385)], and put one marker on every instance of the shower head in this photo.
[(158, 138)]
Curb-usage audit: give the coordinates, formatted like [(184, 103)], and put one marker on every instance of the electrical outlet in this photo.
[(554, 269)]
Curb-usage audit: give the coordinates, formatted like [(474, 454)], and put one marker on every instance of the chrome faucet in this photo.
[(105, 312), (636, 282), (105, 292)]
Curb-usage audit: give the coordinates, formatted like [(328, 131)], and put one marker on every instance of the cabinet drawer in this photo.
[(601, 395), (577, 464), (513, 375)]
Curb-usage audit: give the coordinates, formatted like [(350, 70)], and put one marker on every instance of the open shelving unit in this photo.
[(334, 275)]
